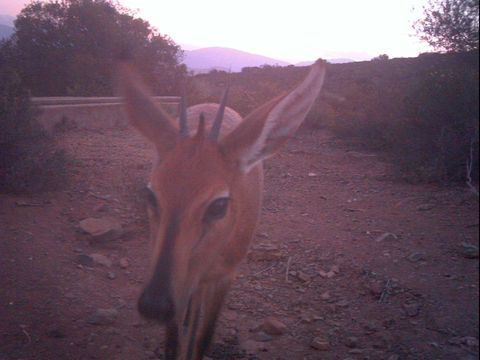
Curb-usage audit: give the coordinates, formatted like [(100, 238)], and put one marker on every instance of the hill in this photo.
[(5, 31), (219, 58), (6, 26)]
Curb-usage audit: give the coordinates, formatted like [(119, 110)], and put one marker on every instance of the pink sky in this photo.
[(288, 30)]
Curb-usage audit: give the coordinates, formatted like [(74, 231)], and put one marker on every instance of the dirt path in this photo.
[(376, 268)]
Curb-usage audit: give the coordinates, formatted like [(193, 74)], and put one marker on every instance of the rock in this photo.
[(343, 303), (111, 275), (273, 326), (103, 317), (351, 342), (376, 288), (468, 341), (394, 357), (325, 296), (303, 277), (411, 308), (230, 316), (150, 354), (102, 229), (425, 207), (102, 260), (84, 260), (386, 236), (469, 251), (320, 344), (124, 263), (416, 257), (56, 333), (252, 346), (263, 337), (335, 269), (323, 273), (265, 252)]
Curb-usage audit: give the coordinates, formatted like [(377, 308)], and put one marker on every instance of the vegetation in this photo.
[(422, 112), (450, 25), (62, 48), (29, 159), (70, 48)]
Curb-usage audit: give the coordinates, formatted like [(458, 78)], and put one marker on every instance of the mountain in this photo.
[(206, 59), (5, 31), (6, 20)]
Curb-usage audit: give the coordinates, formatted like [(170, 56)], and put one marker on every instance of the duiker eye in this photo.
[(216, 210)]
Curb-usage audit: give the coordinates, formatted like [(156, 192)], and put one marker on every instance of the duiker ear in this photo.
[(149, 118), (263, 131)]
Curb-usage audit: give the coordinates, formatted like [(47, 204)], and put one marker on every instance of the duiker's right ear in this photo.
[(149, 118)]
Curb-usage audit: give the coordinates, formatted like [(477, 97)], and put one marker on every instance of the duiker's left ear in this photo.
[(268, 127), (148, 117)]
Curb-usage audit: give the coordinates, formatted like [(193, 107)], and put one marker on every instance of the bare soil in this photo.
[(356, 264)]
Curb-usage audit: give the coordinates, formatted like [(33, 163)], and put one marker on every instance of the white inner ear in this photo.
[(284, 119)]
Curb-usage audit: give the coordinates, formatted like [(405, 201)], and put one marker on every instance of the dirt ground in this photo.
[(355, 264)]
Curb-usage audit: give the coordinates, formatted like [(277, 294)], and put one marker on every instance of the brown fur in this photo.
[(194, 258)]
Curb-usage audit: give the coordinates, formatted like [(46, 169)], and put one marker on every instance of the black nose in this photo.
[(155, 305)]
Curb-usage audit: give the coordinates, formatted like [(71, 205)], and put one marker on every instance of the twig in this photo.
[(288, 268), (383, 295), (262, 271), (469, 169), (27, 335)]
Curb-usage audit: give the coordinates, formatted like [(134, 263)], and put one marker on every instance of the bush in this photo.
[(442, 114), (29, 159)]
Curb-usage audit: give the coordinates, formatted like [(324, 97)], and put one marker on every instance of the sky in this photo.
[(290, 30)]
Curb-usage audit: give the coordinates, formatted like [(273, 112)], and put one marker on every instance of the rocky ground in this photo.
[(347, 263)]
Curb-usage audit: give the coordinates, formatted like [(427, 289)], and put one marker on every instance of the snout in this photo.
[(156, 305)]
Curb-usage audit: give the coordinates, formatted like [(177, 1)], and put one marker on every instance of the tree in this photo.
[(381, 57), (69, 47), (450, 25)]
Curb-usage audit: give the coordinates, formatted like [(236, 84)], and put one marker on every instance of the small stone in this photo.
[(416, 257), (394, 357), (312, 174), (124, 263), (100, 207), (469, 251), (323, 273), (111, 275), (325, 296), (252, 346), (265, 252), (56, 333), (330, 274), (303, 277), (351, 342), (230, 316), (411, 308), (102, 229), (425, 207), (335, 269), (102, 260), (263, 337), (150, 354), (103, 317), (386, 236), (376, 288), (320, 344), (84, 260), (273, 326), (343, 303)]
